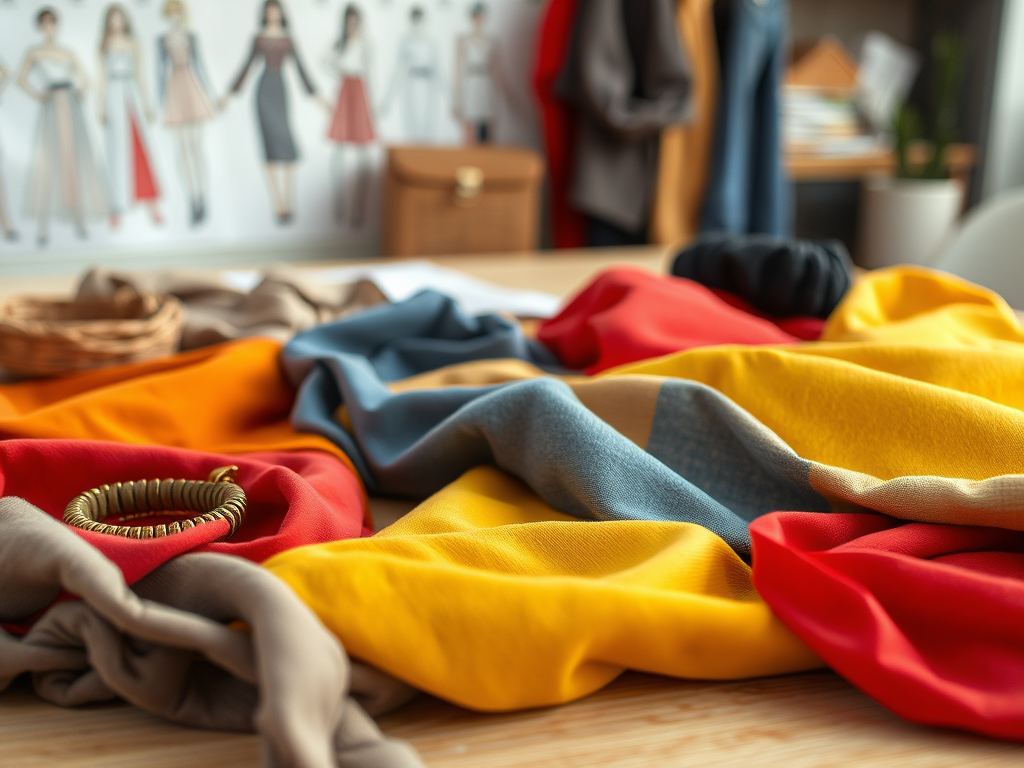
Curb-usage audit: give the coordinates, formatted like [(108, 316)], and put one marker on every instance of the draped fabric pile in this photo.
[(667, 479), (906, 409)]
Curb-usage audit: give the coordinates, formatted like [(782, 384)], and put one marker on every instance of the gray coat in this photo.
[(629, 77)]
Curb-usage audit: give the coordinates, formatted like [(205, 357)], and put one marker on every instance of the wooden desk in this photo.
[(813, 719)]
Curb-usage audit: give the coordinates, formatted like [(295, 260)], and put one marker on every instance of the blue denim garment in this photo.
[(747, 190)]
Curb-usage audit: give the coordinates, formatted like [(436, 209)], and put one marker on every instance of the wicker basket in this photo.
[(43, 337)]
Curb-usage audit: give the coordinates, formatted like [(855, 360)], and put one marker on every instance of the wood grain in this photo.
[(813, 719)]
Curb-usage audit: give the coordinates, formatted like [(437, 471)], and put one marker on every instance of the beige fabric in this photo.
[(283, 304), (167, 647)]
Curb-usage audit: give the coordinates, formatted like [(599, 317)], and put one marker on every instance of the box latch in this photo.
[(469, 181)]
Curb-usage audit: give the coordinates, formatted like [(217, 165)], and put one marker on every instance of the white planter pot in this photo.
[(906, 221)]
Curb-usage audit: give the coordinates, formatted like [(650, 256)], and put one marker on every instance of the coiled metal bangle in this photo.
[(219, 498)]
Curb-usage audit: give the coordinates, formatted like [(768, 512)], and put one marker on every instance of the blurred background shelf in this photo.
[(962, 159)]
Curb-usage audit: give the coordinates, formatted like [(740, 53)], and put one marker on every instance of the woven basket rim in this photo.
[(52, 346)]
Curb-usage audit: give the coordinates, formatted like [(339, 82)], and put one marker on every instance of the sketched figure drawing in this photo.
[(124, 108), (6, 226), (274, 46), (351, 127), (478, 79), (417, 80), (64, 179), (187, 100)]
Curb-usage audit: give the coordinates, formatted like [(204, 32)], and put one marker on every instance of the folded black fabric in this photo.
[(782, 277)]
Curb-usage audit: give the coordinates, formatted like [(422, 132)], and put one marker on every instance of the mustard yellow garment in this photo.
[(919, 373), (920, 306), (487, 597)]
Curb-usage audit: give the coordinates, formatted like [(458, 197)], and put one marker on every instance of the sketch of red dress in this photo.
[(132, 177), (352, 122)]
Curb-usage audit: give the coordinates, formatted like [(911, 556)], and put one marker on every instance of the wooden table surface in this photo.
[(813, 719)]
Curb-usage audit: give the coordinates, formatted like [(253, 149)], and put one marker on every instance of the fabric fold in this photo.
[(389, 343), (716, 436), (293, 498), (488, 597), (627, 314), (232, 398), (286, 677), (282, 303), (926, 619)]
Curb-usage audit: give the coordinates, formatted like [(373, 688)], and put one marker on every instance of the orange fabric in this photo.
[(232, 398), (686, 149)]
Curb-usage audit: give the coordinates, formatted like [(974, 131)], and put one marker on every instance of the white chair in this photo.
[(988, 247)]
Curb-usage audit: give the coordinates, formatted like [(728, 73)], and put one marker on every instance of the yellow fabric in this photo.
[(921, 306), (920, 374), (489, 598)]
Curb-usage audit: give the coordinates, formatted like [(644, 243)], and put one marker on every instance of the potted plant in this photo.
[(906, 219)]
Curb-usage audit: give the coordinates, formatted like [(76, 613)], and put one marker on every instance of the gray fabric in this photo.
[(629, 76), (166, 647), (283, 304), (389, 343)]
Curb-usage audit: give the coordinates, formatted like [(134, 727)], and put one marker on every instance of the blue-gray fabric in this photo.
[(348, 362), (707, 460)]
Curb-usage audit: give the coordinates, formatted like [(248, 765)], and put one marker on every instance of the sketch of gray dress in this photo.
[(417, 79), (476, 88), (271, 97), (132, 176), (64, 179)]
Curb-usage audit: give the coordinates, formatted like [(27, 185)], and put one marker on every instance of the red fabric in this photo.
[(293, 498), (553, 35), (145, 181), (352, 123), (803, 328), (628, 314), (927, 619)]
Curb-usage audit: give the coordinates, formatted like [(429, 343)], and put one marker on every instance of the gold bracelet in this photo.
[(219, 498)]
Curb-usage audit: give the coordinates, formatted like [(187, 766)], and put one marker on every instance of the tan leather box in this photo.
[(440, 200)]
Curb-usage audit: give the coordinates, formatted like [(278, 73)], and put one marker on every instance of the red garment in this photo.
[(553, 36), (145, 181), (293, 498), (628, 314), (804, 328), (927, 619), (352, 123)]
